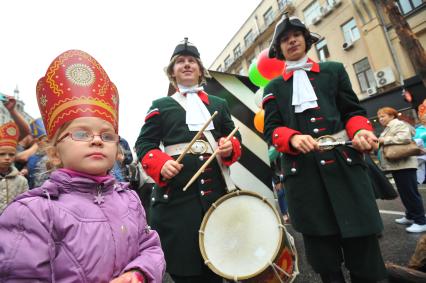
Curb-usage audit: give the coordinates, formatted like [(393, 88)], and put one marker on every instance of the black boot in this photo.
[(357, 279), (333, 277)]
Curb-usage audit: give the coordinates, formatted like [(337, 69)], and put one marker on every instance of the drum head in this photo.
[(241, 236)]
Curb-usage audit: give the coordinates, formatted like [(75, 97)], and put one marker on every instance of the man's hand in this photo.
[(365, 141), (128, 277), (225, 148), (10, 103), (304, 143), (170, 169)]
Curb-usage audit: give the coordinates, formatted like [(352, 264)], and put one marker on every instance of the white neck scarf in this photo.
[(303, 93), (196, 112)]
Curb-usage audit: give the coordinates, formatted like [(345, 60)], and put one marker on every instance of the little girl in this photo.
[(80, 225)]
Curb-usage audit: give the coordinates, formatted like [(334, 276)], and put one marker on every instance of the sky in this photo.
[(133, 41)]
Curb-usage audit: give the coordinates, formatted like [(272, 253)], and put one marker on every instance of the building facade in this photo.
[(357, 33), (5, 115)]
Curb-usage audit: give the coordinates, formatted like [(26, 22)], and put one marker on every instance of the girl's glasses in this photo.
[(87, 136)]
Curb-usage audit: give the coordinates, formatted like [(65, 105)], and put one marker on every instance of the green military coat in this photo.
[(174, 214), (328, 192)]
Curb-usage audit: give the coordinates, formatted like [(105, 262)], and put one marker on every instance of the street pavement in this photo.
[(396, 244)]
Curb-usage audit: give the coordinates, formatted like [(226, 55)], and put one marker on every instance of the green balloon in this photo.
[(273, 154), (255, 77)]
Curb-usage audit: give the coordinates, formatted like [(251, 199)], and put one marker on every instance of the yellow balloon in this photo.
[(259, 120)]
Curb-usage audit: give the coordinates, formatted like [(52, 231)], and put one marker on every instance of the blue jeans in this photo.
[(406, 183)]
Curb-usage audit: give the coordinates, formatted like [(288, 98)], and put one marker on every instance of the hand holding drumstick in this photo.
[(209, 160), (172, 167)]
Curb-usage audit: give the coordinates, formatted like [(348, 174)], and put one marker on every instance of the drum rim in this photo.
[(204, 222)]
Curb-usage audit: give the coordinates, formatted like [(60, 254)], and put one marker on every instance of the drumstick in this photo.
[(196, 137), (208, 161)]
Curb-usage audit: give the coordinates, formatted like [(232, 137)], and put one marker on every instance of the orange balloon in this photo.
[(259, 120)]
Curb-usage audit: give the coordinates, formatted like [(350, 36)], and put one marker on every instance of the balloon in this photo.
[(273, 154), (259, 120), (258, 97), (269, 68), (255, 77)]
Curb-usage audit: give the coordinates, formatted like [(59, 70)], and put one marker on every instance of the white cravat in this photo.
[(196, 112), (304, 96)]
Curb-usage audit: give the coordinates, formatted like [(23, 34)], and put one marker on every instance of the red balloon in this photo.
[(269, 67)]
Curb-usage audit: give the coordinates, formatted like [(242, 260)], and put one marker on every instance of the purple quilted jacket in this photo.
[(72, 229)]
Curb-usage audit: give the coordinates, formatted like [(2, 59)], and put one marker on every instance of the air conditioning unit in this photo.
[(384, 76), (371, 91), (336, 3), (316, 20), (347, 45), (325, 10)]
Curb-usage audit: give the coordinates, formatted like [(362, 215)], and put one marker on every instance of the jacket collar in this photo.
[(60, 182), (315, 68), (202, 95), (12, 174)]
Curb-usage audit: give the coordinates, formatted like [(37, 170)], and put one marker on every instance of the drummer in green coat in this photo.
[(172, 122), (330, 196)]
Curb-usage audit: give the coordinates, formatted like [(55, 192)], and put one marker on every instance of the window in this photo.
[(219, 68), (237, 51), (322, 50), (311, 12), (283, 3), (268, 17), (364, 74), (407, 6), (350, 31), (249, 38), (227, 61)]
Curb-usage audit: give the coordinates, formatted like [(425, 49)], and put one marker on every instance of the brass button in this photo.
[(313, 119), (293, 170), (349, 160), (316, 131), (202, 181), (151, 155), (202, 193), (165, 196), (276, 135), (201, 158), (153, 199), (322, 162)]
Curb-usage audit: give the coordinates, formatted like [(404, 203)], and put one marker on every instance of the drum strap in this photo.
[(230, 186)]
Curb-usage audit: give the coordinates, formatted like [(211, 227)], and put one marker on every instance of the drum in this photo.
[(242, 238)]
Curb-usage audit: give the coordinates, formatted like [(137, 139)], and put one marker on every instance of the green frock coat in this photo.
[(176, 215), (328, 192)]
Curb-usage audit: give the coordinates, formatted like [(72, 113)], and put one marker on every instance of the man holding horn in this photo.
[(173, 122)]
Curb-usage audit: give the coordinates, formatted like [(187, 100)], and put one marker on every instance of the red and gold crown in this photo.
[(76, 85), (9, 134)]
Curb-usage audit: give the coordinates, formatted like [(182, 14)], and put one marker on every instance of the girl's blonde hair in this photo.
[(169, 71)]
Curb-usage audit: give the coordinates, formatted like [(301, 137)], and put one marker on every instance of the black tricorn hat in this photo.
[(284, 24), (186, 48)]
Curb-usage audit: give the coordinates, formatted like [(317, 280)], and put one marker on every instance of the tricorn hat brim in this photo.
[(283, 25)]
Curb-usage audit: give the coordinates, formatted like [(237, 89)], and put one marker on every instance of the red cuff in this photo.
[(357, 123), (152, 163), (281, 140), (236, 152)]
